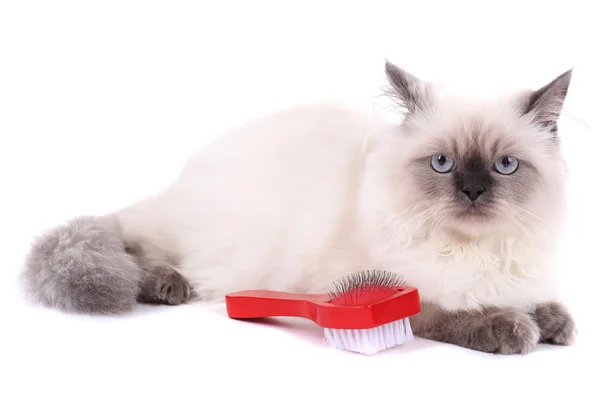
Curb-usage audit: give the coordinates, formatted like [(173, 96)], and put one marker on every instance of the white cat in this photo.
[(463, 198)]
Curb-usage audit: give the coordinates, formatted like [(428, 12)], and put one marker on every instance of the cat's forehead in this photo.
[(472, 131), (475, 138)]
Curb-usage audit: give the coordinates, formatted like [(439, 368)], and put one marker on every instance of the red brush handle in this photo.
[(270, 303), (401, 303)]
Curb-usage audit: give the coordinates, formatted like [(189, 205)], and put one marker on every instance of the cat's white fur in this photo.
[(296, 199)]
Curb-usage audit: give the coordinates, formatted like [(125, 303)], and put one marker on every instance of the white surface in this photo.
[(100, 103)]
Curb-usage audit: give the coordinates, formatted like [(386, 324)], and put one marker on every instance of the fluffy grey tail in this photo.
[(83, 267)]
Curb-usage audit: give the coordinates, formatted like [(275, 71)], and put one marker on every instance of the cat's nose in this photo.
[(473, 192)]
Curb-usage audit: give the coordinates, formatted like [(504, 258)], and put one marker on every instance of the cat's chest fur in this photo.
[(465, 273)]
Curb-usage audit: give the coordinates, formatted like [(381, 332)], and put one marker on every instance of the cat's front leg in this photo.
[(492, 330), (556, 323)]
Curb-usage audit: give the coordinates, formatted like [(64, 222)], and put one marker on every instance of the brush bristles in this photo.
[(370, 341)]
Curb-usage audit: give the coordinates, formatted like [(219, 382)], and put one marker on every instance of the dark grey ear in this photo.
[(409, 91), (546, 103)]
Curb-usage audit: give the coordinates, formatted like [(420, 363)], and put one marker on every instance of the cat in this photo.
[(463, 197)]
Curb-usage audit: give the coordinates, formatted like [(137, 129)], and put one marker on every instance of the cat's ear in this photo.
[(545, 104), (409, 91)]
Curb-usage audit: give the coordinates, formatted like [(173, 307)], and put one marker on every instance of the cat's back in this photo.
[(317, 135), (276, 161), (285, 153)]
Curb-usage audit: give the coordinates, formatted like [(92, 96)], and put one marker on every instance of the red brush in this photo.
[(364, 312)]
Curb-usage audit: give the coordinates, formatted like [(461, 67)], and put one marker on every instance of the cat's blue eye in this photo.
[(442, 163), (506, 165)]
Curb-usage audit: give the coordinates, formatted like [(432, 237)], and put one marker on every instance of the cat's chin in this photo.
[(471, 230), (472, 222), (474, 214)]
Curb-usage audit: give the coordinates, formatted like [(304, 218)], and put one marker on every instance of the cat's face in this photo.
[(475, 166)]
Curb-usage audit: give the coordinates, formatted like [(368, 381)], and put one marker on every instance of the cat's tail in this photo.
[(83, 266)]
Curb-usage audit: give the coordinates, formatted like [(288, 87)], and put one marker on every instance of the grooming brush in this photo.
[(364, 312)]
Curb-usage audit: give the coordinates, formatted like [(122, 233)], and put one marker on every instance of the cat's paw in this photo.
[(556, 324), (505, 331), (165, 286)]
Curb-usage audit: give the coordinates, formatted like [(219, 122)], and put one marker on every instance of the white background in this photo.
[(101, 101)]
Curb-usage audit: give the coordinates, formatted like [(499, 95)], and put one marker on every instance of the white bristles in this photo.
[(370, 341)]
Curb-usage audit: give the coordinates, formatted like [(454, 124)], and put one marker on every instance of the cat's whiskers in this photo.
[(522, 222), (523, 228), (565, 113), (532, 220), (403, 233), (438, 220), (416, 225), (530, 214), (529, 222)]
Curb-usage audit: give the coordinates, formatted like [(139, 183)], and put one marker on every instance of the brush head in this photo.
[(370, 288), (364, 287)]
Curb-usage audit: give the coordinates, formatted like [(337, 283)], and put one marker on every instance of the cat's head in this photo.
[(476, 165)]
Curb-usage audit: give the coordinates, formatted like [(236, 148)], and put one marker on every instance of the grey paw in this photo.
[(506, 331), (556, 324), (165, 286)]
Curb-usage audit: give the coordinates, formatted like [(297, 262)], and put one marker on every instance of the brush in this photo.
[(364, 312)]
